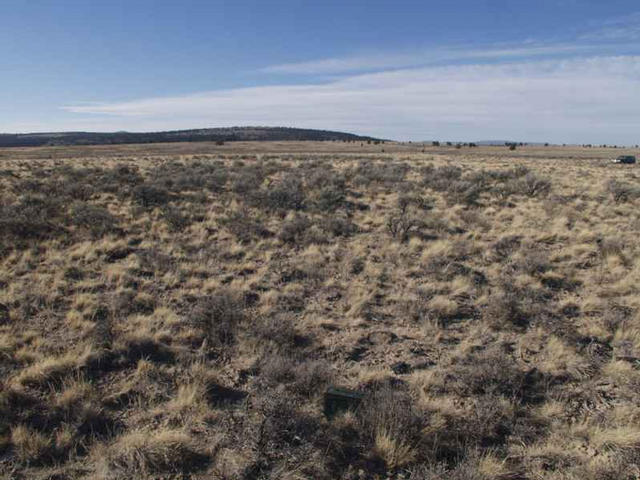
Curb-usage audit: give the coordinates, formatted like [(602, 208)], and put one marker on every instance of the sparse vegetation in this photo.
[(169, 312)]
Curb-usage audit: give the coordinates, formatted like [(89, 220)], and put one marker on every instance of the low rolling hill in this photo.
[(227, 134)]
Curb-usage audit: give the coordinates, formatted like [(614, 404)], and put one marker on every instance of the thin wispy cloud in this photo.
[(557, 70), (575, 100), (581, 89), (428, 57), (619, 29), (604, 38)]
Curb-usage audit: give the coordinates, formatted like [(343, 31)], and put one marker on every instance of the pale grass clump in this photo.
[(370, 375), (65, 439), (160, 321), (394, 449), (31, 445), (622, 372), (49, 369), (491, 467), (561, 449), (462, 286), (559, 359), (85, 303), (231, 462), (191, 403), (187, 396), (8, 345), (480, 336), (148, 453), (439, 248), (624, 414), (626, 340), (142, 384), (593, 304), (77, 320), (551, 409), (361, 302), (27, 354), (619, 437), (74, 391), (116, 275), (443, 307)]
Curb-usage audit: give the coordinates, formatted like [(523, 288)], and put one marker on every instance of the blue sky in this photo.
[(544, 70)]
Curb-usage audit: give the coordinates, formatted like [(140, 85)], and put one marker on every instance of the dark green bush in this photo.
[(96, 220), (175, 219), (247, 181), (339, 226), (244, 226), (32, 217), (382, 173), (534, 186), (219, 316), (294, 229), (328, 198), (287, 194), (150, 195)]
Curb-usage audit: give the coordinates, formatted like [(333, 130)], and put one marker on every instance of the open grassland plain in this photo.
[(179, 311)]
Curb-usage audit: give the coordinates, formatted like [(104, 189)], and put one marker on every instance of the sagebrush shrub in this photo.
[(175, 219), (385, 174), (32, 217), (621, 191), (97, 220), (150, 195), (328, 199), (247, 181), (534, 186), (294, 229), (244, 225), (219, 315), (287, 194), (339, 226), (390, 422)]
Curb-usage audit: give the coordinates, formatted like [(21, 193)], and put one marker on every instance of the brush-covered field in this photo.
[(179, 311)]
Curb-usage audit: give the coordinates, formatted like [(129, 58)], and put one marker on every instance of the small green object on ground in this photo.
[(337, 400)]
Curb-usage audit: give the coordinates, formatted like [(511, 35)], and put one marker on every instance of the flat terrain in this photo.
[(179, 311)]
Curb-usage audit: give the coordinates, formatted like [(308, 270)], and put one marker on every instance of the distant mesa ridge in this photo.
[(226, 134)]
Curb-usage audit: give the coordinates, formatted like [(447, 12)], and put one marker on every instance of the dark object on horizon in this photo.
[(230, 134), (337, 400), (626, 159)]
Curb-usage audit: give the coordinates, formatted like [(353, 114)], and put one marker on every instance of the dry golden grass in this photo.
[(144, 453), (30, 445), (178, 311)]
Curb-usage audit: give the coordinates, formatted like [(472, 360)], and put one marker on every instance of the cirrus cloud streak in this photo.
[(575, 100)]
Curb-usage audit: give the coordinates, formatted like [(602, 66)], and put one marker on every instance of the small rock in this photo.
[(424, 365), (4, 314), (338, 400), (333, 296), (357, 353), (380, 338), (401, 368), (251, 298), (332, 327)]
